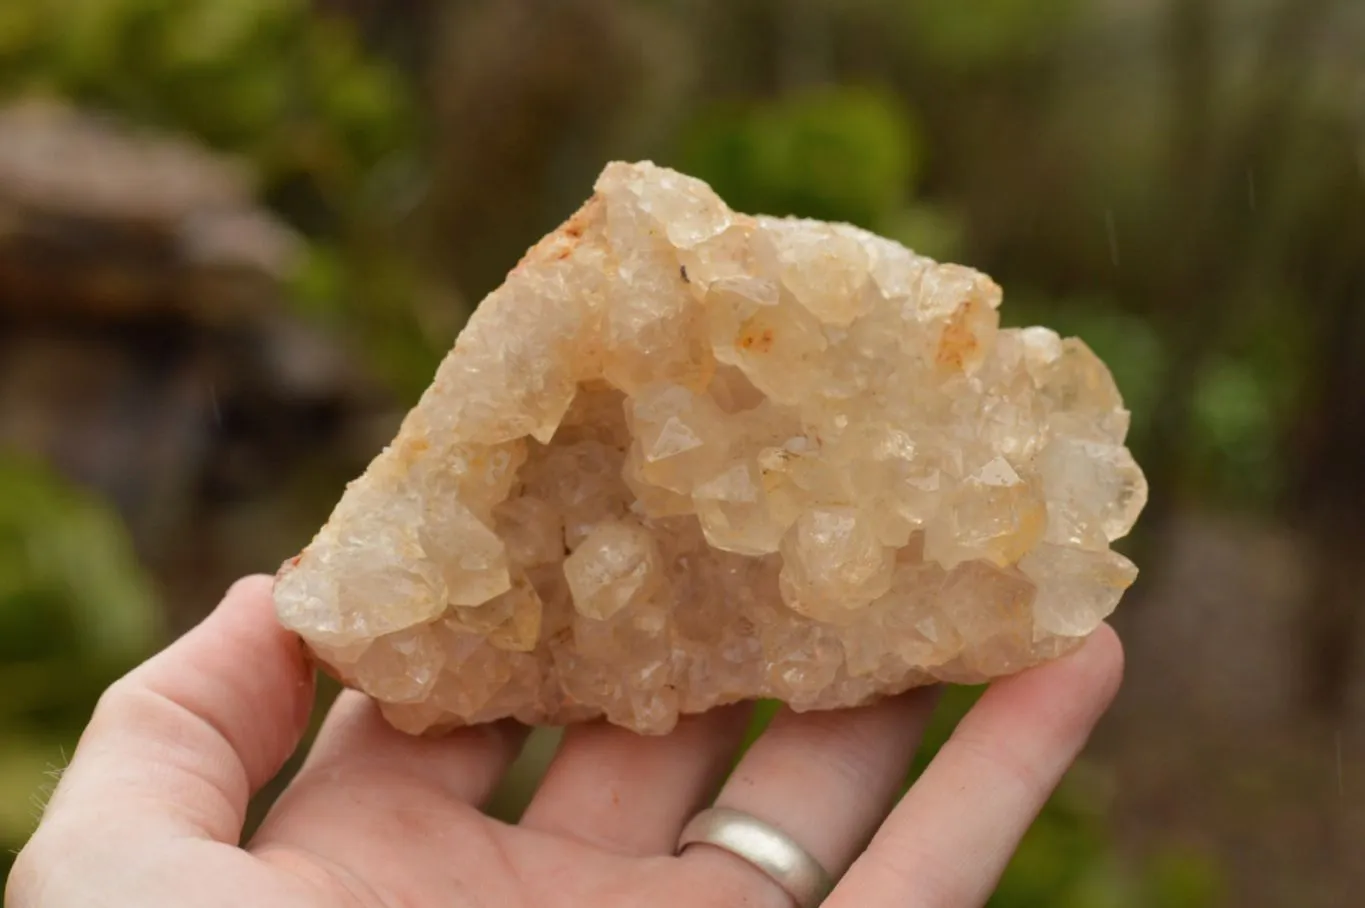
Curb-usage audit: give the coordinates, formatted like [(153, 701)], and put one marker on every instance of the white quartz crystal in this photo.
[(685, 456)]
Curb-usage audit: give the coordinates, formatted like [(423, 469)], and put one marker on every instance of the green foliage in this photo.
[(846, 154), (1233, 445), (75, 612), (1181, 878), (993, 32), (851, 154), (1241, 402), (1065, 860), (373, 292), (1068, 857), (1246, 400), (65, 556), (329, 131), (295, 95)]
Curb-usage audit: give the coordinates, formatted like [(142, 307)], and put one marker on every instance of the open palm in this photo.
[(150, 812)]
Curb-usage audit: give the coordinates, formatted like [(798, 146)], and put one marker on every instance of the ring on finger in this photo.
[(765, 847)]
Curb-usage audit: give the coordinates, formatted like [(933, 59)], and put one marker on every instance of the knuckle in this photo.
[(132, 705), (850, 752), (847, 769), (251, 585), (905, 872), (123, 705), (113, 703), (1001, 761)]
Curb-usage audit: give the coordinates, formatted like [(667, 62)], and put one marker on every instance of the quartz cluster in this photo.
[(685, 456)]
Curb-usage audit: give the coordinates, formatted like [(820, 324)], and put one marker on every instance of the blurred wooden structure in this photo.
[(145, 347)]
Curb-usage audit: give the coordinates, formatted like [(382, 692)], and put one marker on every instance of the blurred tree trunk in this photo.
[(402, 31), (1219, 257), (1330, 502), (1326, 499), (802, 29), (529, 99), (1218, 244)]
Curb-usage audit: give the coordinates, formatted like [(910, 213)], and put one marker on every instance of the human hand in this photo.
[(151, 809)]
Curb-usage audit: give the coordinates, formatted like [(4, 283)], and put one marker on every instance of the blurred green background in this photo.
[(237, 235)]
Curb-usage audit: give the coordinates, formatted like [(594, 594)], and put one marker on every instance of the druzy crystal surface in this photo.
[(685, 456)]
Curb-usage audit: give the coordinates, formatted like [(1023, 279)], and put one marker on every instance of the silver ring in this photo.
[(769, 849)]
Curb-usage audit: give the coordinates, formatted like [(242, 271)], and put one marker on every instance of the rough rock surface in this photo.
[(685, 456)]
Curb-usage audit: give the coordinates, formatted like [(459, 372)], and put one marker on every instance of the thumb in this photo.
[(183, 741)]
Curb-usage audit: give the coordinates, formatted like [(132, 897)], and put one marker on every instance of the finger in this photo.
[(632, 794), (824, 778), (951, 836), (361, 762), (191, 734)]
